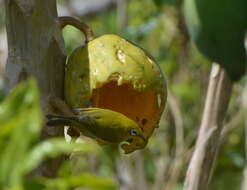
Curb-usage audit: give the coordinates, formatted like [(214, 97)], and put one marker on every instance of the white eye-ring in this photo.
[(133, 132)]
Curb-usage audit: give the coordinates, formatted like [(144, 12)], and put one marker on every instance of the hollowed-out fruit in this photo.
[(110, 72)]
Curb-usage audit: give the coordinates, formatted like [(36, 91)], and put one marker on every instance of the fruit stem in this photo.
[(88, 32)]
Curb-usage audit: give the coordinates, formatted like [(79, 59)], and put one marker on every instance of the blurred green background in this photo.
[(157, 26)]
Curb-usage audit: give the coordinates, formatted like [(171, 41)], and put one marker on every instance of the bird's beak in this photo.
[(142, 137)]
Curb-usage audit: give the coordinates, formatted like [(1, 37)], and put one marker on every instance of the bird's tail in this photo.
[(54, 120)]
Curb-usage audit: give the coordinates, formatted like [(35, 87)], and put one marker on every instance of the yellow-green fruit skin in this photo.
[(112, 73), (103, 57)]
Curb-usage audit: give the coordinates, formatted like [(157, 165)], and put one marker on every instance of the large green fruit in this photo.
[(110, 72), (218, 28)]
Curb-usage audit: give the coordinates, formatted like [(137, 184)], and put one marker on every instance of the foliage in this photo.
[(206, 22), (158, 27), (160, 30), (21, 121)]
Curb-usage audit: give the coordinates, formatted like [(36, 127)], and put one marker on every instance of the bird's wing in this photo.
[(85, 124), (79, 111), (54, 120), (81, 123), (87, 120)]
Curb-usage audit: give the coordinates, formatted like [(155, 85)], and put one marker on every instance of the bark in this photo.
[(201, 165), (35, 48)]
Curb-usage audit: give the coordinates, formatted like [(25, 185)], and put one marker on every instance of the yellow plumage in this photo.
[(100, 124)]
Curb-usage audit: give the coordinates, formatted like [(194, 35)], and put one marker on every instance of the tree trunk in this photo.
[(35, 48)]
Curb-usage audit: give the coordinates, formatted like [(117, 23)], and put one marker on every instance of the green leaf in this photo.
[(54, 147), (85, 180), (20, 121)]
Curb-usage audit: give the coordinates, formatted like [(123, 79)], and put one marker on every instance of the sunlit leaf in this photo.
[(86, 180), (20, 121), (54, 147)]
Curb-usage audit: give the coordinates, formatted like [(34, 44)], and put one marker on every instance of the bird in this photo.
[(104, 125)]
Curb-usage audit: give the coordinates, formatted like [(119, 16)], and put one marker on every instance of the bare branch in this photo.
[(232, 124), (178, 120), (178, 161), (201, 164), (88, 32)]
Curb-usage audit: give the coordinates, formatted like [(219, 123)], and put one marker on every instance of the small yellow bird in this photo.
[(103, 125)]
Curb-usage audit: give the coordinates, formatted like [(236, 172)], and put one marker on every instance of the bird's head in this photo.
[(135, 132), (134, 138)]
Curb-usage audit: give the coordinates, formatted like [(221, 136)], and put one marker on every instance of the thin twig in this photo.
[(88, 32), (231, 125), (140, 182), (179, 123), (178, 161)]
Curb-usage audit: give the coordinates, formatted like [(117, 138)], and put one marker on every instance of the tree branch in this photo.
[(201, 164), (66, 20)]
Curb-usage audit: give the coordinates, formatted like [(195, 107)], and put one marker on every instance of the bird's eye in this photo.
[(133, 132)]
